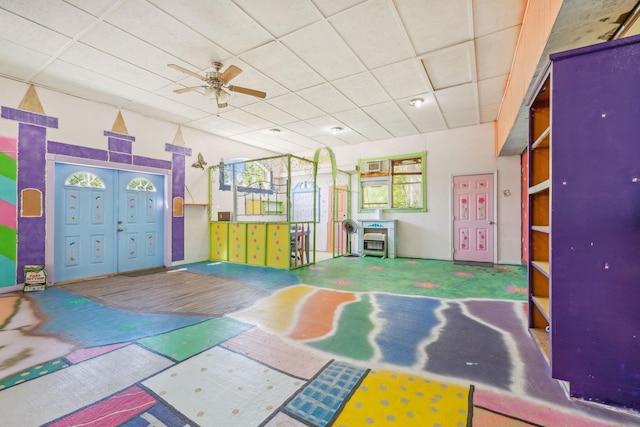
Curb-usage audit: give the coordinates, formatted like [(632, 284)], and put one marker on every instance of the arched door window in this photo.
[(141, 184), (84, 179)]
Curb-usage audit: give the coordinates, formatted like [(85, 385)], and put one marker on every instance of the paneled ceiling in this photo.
[(353, 64)]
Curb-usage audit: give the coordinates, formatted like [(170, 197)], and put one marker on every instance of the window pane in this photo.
[(375, 196), (407, 166), (407, 191)]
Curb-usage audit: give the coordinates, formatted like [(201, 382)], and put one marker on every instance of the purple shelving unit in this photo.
[(591, 274)]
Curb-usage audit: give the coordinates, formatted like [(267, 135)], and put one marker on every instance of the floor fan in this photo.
[(350, 226)]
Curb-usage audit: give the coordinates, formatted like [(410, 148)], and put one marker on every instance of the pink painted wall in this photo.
[(536, 27)]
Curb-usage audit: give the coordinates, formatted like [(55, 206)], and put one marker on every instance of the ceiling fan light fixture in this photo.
[(416, 102), (210, 92), (336, 129), (222, 96)]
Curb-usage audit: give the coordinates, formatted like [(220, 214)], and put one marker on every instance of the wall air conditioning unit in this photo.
[(370, 167), (378, 167)]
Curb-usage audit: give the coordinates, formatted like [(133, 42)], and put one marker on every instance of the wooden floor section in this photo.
[(169, 292)]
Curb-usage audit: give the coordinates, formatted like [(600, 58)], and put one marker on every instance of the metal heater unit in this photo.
[(375, 244)]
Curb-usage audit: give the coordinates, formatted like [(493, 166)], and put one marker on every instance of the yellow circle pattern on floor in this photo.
[(388, 398)]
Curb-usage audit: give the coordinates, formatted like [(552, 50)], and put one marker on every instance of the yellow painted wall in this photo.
[(256, 244), (219, 241), (278, 254), (238, 243)]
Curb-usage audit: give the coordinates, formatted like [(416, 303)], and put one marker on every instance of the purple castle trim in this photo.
[(177, 149), (28, 117), (155, 163), (120, 158), (31, 174), (76, 151), (119, 135), (120, 145), (177, 223)]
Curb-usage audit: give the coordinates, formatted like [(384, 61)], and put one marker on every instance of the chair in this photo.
[(297, 244)]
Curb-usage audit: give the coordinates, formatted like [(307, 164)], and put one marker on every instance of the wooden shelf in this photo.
[(543, 140), (541, 228), (541, 338), (543, 266), (543, 305), (544, 185)]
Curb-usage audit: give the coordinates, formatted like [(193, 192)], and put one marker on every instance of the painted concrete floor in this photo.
[(344, 342)]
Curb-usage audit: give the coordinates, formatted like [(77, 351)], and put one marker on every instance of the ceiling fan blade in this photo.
[(188, 89), (230, 73), (184, 70), (246, 91)]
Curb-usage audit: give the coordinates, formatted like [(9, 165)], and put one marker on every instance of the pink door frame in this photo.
[(473, 218)]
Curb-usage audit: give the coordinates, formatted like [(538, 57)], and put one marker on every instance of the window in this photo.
[(84, 179), (249, 175), (141, 184), (393, 183)]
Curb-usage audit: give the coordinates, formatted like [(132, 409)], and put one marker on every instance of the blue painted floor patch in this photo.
[(267, 278), (92, 324)]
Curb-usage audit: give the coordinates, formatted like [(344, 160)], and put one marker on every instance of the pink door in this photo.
[(473, 218)]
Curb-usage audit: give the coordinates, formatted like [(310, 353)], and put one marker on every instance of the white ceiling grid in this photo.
[(354, 64)]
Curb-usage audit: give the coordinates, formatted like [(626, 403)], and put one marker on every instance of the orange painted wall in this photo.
[(536, 27)]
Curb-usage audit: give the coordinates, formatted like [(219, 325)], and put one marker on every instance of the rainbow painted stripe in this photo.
[(8, 212)]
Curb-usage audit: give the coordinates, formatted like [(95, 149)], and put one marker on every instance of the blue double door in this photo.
[(106, 221)]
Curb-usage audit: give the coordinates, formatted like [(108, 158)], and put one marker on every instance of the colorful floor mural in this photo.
[(307, 355)]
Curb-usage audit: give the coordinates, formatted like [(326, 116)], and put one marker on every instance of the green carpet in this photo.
[(407, 276)]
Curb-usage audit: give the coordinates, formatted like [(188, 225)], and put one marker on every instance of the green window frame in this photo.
[(393, 183)]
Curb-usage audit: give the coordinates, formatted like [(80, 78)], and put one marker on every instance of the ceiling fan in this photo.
[(217, 82)]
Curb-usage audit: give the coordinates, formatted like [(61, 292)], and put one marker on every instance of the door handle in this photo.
[(120, 229), (491, 222)]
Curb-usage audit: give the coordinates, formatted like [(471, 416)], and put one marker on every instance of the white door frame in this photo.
[(52, 159)]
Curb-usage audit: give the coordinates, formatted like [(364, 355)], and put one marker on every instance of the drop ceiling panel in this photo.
[(491, 91), (296, 106), (451, 66), (330, 141), (305, 129), (32, 36), (428, 117), (325, 123), (18, 61), (435, 24), (362, 89), (491, 16), (495, 52), (162, 30), (120, 44), (319, 46), (363, 124), (86, 84), (403, 79), (229, 126), (161, 103), (372, 29), (391, 118), (94, 7), (221, 22), (54, 15), (270, 113), (350, 136), (246, 119), (331, 7), (459, 105), (85, 56), (299, 14), (281, 65), (326, 98)]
